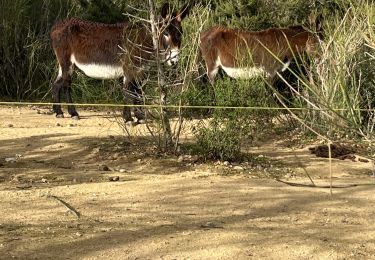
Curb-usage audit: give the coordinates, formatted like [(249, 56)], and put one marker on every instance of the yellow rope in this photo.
[(175, 106)]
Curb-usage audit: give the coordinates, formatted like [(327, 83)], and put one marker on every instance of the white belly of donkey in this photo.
[(244, 73), (99, 71)]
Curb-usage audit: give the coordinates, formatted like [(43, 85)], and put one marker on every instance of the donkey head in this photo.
[(171, 36)]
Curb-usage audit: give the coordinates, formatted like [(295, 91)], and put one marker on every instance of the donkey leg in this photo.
[(126, 113), (68, 97), (56, 94), (138, 100), (212, 70)]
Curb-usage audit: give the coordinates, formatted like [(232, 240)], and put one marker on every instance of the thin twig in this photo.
[(68, 206), (330, 166), (330, 186), (304, 169)]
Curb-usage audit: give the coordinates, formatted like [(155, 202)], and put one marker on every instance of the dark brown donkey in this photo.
[(108, 51), (246, 54)]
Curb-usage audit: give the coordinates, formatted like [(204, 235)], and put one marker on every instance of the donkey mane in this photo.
[(75, 21)]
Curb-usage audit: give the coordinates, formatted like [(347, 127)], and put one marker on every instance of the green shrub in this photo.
[(219, 140)]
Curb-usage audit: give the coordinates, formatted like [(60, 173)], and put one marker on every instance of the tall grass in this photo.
[(340, 84), (26, 63)]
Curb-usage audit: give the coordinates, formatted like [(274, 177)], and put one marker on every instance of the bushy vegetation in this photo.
[(335, 86)]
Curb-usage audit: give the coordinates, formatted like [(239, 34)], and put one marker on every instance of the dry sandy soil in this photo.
[(165, 207)]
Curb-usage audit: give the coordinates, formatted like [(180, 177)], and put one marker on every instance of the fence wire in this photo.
[(13, 103)]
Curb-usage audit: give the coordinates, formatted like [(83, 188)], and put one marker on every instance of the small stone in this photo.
[(139, 160), (44, 180), (288, 175), (10, 125), (122, 170), (226, 163), (210, 225), (363, 160), (78, 234), (113, 157), (114, 178), (23, 186), (105, 229), (58, 124), (103, 168), (180, 159), (238, 168), (11, 159), (71, 125)]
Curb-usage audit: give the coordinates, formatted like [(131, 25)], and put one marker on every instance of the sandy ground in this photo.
[(166, 207)]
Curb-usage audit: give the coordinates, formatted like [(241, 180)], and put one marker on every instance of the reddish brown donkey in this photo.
[(108, 51), (247, 54)]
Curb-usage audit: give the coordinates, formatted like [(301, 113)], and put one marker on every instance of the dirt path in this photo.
[(168, 208)]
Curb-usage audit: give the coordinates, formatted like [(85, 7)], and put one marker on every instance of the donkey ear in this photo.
[(183, 12), (165, 10)]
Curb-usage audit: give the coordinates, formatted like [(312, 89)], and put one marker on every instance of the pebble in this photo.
[(114, 178), (10, 125), (226, 163), (122, 170), (58, 124), (11, 159), (23, 186), (238, 168), (103, 168), (210, 225)]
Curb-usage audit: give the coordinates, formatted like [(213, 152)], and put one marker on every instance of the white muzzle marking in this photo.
[(172, 56)]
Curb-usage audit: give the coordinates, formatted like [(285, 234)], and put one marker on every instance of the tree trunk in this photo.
[(166, 140)]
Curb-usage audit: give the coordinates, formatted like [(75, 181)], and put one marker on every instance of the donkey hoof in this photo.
[(75, 117), (60, 116)]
